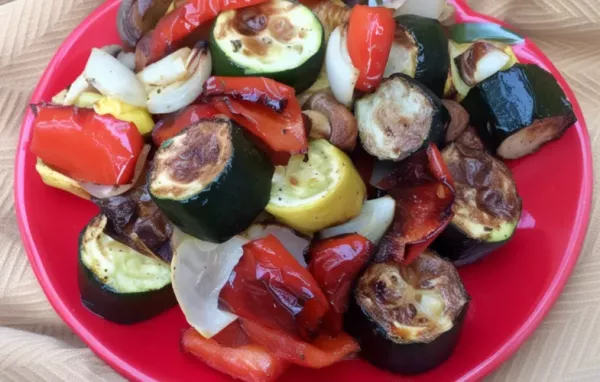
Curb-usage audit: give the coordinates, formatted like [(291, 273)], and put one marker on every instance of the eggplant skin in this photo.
[(456, 246), (409, 358)]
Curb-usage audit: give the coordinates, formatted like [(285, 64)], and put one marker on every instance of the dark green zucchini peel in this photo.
[(518, 110), (420, 50)]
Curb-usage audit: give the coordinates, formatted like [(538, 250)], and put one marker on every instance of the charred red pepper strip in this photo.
[(84, 145), (270, 287), (322, 352), (370, 35), (232, 353), (253, 89), (175, 26), (424, 193), (281, 134), (172, 125), (335, 263)]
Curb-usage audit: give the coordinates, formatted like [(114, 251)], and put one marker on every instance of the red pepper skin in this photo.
[(270, 287), (370, 35), (232, 353), (281, 134), (172, 125), (175, 26), (84, 145), (424, 192), (335, 263), (322, 352), (266, 108), (253, 89)]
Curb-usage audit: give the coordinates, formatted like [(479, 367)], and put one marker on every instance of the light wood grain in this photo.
[(36, 346)]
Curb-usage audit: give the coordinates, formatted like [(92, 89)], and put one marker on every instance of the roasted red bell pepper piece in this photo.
[(281, 134), (232, 353), (424, 193), (270, 287), (370, 35), (84, 145), (172, 125), (335, 263), (268, 109), (322, 352), (175, 26), (254, 89)]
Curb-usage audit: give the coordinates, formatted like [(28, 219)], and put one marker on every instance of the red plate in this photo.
[(512, 289)]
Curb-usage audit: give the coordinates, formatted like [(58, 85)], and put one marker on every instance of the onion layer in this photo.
[(341, 73), (113, 79), (372, 223), (171, 97)]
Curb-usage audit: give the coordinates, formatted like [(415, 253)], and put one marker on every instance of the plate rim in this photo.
[(507, 350)]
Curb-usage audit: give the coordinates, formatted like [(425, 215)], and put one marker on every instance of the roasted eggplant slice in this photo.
[(136, 221), (210, 180), (408, 319), (487, 207), (400, 118), (517, 111), (119, 283), (420, 51)]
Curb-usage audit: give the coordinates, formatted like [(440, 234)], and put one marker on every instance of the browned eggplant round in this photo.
[(487, 207), (408, 318)]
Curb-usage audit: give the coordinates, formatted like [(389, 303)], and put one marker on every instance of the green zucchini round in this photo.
[(286, 37), (420, 50), (518, 110), (393, 331), (487, 207), (210, 180), (118, 283), (391, 127)]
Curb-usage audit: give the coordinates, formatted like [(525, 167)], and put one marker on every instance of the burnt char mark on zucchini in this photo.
[(407, 319), (400, 118), (210, 180), (518, 110), (487, 208)]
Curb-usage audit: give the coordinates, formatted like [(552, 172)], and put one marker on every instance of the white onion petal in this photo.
[(113, 79), (102, 191), (341, 73), (177, 95), (199, 272), (170, 69), (78, 87), (372, 223)]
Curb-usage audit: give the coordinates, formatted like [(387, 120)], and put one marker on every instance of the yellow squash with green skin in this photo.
[(323, 191)]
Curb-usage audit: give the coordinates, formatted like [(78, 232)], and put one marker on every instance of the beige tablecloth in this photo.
[(36, 346)]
